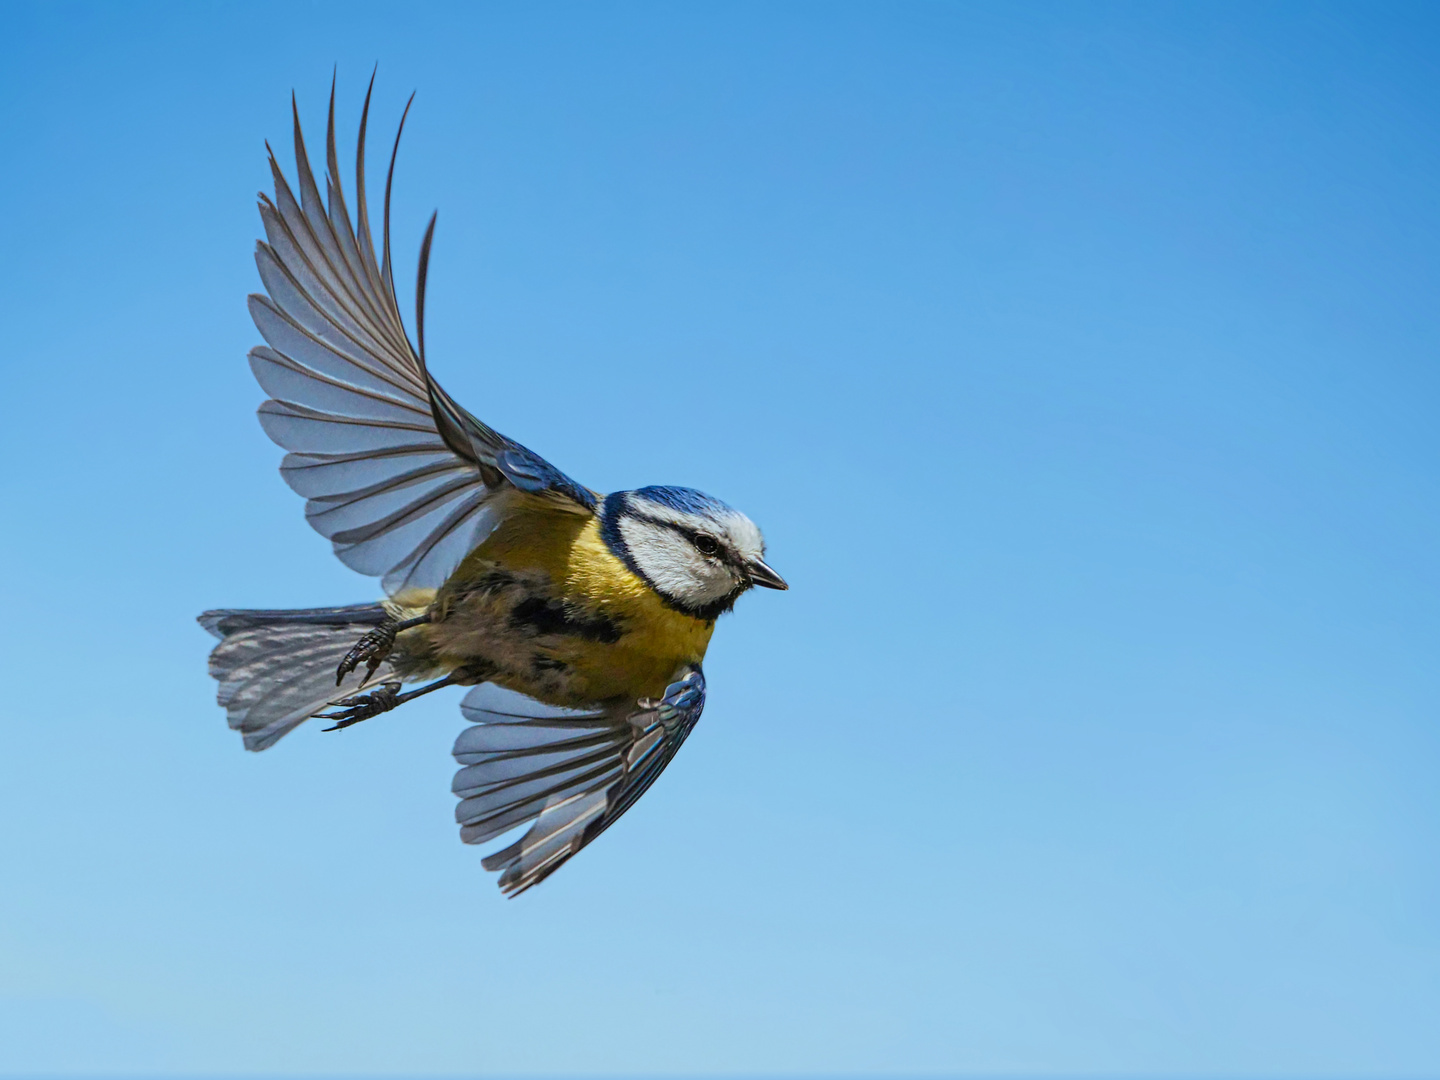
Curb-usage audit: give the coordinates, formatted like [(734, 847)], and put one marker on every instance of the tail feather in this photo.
[(276, 669)]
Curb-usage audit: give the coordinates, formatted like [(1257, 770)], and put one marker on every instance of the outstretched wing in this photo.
[(572, 771), (401, 479)]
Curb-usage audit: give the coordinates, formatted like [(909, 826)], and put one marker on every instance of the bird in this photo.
[(578, 621)]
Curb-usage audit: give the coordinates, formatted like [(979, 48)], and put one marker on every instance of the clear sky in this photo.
[(1080, 363)]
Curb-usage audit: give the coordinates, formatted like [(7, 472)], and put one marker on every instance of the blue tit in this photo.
[(580, 621)]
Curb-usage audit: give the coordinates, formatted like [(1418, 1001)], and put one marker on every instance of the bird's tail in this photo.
[(276, 669)]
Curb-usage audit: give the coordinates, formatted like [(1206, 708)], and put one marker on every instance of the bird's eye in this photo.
[(706, 544)]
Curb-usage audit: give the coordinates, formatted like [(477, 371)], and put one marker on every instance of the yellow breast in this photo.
[(655, 640)]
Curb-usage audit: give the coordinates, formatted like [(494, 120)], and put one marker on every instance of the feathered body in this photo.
[(545, 608), (580, 620)]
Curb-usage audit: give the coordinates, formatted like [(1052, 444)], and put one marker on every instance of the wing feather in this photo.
[(401, 479), (573, 772), (360, 474)]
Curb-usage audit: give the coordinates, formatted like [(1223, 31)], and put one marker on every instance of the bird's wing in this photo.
[(399, 477), (571, 771)]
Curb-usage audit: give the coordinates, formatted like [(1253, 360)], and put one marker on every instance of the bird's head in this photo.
[(697, 553)]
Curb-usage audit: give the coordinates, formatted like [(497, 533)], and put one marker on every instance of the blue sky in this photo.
[(1080, 363)]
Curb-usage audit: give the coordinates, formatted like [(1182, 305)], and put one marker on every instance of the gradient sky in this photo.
[(1080, 363)]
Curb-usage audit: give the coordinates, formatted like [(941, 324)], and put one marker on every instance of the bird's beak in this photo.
[(760, 574)]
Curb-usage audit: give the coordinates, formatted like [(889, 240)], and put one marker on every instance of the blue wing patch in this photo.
[(528, 471), (572, 771)]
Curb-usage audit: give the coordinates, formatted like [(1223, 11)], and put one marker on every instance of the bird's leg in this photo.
[(352, 710), (373, 647), (382, 699)]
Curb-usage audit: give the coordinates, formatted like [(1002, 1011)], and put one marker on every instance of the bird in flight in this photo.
[(579, 620)]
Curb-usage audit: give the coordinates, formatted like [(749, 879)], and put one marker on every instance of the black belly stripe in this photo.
[(546, 616)]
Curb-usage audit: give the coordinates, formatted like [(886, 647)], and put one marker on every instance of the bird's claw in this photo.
[(354, 709), (371, 650)]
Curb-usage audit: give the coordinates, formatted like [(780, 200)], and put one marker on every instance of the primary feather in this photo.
[(401, 479), (571, 771)]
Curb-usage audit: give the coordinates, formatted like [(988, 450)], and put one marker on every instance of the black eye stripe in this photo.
[(722, 551)]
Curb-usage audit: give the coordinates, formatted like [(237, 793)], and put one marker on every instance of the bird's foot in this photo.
[(354, 709), (371, 650)]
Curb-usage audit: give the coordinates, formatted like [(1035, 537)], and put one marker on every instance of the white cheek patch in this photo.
[(673, 566)]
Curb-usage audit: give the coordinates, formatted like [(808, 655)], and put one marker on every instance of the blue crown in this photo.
[(683, 499)]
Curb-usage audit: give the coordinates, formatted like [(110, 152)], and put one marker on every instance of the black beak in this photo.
[(760, 574)]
